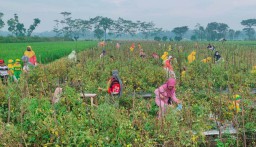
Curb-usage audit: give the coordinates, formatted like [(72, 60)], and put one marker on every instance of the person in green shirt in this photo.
[(17, 68)]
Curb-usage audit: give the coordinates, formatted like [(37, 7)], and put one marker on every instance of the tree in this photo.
[(102, 23), (18, 29), (179, 32), (222, 30), (146, 28), (231, 34), (164, 38), (33, 26), (157, 38), (15, 27), (1, 21), (237, 34), (215, 30), (199, 32), (98, 33), (249, 30)]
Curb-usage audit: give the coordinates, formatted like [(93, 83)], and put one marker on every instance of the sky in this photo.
[(166, 14)]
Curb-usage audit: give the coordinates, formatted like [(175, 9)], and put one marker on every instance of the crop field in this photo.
[(29, 118), (45, 51)]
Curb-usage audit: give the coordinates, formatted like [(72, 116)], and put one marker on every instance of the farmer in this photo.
[(235, 103), (155, 55), (31, 55), (139, 46), (10, 69), (217, 56), (168, 67), (207, 60), (142, 53), (72, 56), (132, 47), (164, 56), (17, 70), (103, 53), (164, 94), (117, 45), (191, 57), (3, 72), (26, 65), (114, 85)]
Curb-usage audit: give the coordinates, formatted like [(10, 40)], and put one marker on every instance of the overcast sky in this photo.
[(166, 14)]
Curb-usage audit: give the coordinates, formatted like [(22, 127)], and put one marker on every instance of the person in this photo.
[(142, 53), (3, 72), (183, 72), (155, 55), (235, 103), (31, 55), (139, 46), (168, 67), (210, 47), (17, 70), (165, 95), (103, 53), (26, 65), (207, 60), (191, 57), (10, 69), (132, 47), (117, 45), (72, 56), (217, 56), (164, 56), (114, 85)]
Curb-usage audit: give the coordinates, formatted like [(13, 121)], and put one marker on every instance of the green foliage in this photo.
[(129, 120)]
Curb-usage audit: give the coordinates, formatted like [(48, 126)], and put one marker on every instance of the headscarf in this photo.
[(115, 75), (30, 53), (170, 82)]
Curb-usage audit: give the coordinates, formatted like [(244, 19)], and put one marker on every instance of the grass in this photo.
[(45, 51)]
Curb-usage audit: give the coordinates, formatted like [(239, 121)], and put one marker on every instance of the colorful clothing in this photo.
[(191, 57), (17, 70), (163, 94), (4, 73), (31, 55)]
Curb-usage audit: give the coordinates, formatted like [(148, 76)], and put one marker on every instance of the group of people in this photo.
[(12, 71)]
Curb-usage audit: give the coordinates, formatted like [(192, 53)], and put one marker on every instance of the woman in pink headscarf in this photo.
[(163, 94)]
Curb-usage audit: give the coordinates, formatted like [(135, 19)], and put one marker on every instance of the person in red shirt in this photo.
[(168, 68), (114, 85)]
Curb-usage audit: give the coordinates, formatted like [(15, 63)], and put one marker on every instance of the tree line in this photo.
[(102, 27)]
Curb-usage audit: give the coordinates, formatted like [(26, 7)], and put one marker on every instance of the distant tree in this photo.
[(164, 38), (1, 21), (18, 29), (215, 30), (103, 23), (33, 26), (211, 31), (193, 38), (231, 34), (170, 39), (199, 32), (146, 28), (98, 33), (179, 32), (122, 26), (222, 30), (157, 38), (15, 27), (237, 34), (249, 30), (56, 28)]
